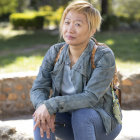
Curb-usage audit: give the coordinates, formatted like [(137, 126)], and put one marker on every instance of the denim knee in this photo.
[(87, 124), (82, 124), (84, 115)]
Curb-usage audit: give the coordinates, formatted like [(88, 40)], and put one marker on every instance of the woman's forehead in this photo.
[(74, 15)]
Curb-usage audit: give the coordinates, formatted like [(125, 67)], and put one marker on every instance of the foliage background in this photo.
[(23, 49)]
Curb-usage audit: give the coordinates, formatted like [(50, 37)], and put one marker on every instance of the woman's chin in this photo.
[(70, 42)]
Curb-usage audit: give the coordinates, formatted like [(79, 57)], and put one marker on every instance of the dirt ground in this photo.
[(24, 125)]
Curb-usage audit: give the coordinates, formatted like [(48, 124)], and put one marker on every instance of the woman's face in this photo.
[(75, 29)]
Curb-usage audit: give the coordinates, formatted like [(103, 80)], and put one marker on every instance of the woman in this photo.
[(80, 107)]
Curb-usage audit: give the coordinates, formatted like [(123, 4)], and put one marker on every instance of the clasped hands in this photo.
[(44, 121)]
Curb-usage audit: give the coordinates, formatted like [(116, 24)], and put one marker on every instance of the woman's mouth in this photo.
[(69, 37)]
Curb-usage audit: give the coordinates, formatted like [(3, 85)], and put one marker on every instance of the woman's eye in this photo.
[(67, 22), (77, 24)]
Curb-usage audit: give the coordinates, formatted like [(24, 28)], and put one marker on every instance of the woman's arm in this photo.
[(41, 87), (41, 91), (96, 87)]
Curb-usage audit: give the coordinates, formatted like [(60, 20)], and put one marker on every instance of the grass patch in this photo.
[(13, 58), (126, 47), (20, 63), (26, 40)]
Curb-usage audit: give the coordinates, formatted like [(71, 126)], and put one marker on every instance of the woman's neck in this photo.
[(75, 52)]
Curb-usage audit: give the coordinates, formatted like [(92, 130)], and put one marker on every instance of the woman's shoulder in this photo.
[(103, 49), (56, 47), (104, 52), (51, 54)]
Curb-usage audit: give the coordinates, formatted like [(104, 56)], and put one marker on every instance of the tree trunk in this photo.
[(104, 7)]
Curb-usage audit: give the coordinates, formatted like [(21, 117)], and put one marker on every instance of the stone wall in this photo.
[(14, 93), (130, 87)]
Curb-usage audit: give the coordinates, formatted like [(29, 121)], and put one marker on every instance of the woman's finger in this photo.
[(43, 124), (49, 125), (47, 131), (52, 124), (37, 124), (35, 118), (41, 132)]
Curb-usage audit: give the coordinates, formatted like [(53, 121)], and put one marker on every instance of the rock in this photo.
[(9, 133)]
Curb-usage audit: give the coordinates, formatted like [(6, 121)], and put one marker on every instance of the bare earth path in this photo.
[(130, 130)]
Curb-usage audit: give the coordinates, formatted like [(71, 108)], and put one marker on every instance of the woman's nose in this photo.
[(71, 28)]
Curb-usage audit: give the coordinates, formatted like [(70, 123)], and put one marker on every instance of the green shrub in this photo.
[(126, 19), (36, 20), (46, 8), (110, 22), (27, 20), (135, 25), (47, 11), (52, 17), (58, 14)]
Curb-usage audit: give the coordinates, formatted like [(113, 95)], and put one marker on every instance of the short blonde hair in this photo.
[(92, 14)]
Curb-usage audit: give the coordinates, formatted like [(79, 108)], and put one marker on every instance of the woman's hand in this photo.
[(44, 120), (45, 129)]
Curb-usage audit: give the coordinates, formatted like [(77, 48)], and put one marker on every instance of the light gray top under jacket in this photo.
[(92, 86), (67, 87)]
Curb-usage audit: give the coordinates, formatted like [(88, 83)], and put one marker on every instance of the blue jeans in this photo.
[(82, 124)]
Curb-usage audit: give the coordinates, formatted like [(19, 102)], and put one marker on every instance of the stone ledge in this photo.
[(15, 89), (18, 75), (14, 94)]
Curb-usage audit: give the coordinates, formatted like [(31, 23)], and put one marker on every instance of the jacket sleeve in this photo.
[(96, 87), (41, 87)]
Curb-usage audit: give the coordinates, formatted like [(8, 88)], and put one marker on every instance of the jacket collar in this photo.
[(88, 50), (80, 66)]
